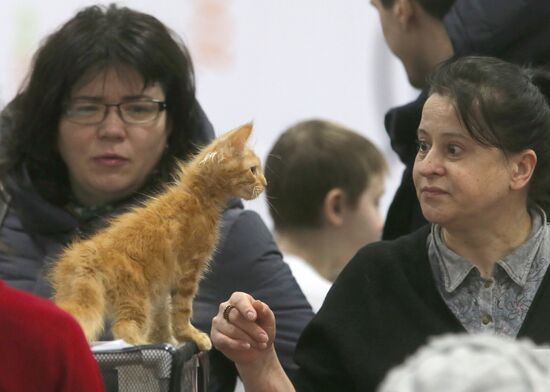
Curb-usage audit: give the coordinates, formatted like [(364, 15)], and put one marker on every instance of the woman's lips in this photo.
[(110, 160), (431, 191)]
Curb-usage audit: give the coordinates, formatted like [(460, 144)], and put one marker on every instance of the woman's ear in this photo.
[(523, 166), (333, 207), (169, 127)]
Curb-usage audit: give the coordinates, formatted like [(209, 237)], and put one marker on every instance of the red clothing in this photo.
[(42, 348)]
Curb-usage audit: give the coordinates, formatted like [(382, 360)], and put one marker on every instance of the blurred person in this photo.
[(473, 363), (423, 33), (482, 175), (324, 186), (42, 347), (108, 106)]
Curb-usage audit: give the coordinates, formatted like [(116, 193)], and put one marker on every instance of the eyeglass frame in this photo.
[(162, 106)]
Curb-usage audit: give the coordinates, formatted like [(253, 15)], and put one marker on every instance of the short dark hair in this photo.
[(436, 8), (308, 160), (502, 105), (96, 38)]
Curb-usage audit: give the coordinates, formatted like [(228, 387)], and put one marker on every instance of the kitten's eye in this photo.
[(254, 169)]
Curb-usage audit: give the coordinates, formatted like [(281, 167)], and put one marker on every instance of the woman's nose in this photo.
[(431, 164), (112, 125)]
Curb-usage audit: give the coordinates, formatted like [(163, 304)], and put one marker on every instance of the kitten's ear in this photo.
[(237, 137)]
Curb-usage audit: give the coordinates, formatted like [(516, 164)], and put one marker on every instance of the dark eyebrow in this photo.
[(136, 97), (86, 98)]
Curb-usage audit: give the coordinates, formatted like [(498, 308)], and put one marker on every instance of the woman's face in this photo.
[(458, 181), (110, 160)]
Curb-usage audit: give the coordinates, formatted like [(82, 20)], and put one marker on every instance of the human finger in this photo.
[(243, 302), (232, 323), (265, 318), (226, 336)]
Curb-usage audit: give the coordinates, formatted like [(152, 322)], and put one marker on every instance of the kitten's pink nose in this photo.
[(264, 181)]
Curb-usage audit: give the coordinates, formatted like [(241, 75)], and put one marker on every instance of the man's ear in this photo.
[(404, 11), (523, 166), (333, 207)]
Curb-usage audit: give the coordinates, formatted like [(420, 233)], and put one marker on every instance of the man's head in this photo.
[(414, 32), (317, 168), (436, 8)]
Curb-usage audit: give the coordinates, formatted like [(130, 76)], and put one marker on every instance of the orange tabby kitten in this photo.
[(143, 270)]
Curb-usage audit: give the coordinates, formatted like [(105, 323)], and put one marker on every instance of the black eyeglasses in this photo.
[(85, 112)]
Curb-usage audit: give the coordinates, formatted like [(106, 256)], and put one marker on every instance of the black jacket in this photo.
[(381, 309), (34, 231), (514, 30)]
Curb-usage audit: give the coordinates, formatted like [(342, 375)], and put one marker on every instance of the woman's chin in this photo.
[(435, 216)]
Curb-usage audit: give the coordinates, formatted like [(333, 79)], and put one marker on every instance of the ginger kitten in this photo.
[(143, 270)]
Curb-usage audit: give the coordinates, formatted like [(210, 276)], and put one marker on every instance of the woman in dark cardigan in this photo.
[(482, 177)]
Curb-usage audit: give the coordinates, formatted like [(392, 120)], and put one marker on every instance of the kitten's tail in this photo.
[(79, 290)]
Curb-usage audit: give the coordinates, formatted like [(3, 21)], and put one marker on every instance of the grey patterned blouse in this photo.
[(497, 305)]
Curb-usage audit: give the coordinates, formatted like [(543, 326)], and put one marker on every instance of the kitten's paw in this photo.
[(162, 336), (202, 341), (90, 320), (134, 340), (130, 332), (173, 341), (190, 333)]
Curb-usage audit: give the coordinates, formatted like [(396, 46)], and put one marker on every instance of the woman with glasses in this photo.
[(108, 106)]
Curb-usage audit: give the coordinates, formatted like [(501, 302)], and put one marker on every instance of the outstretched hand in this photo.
[(244, 329)]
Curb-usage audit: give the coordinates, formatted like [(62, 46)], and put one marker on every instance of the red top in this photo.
[(42, 348)]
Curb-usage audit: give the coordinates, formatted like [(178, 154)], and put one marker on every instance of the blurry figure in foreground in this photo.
[(473, 363), (42, 347)]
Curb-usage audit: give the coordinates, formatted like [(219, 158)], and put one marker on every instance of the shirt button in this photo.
[(486, 319), (487, 284)]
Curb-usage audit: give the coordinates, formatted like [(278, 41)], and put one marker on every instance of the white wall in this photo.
[(272, 61)]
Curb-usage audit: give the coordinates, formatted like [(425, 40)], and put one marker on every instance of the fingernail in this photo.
[(250, 315), (246, 346), (263, 337)]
